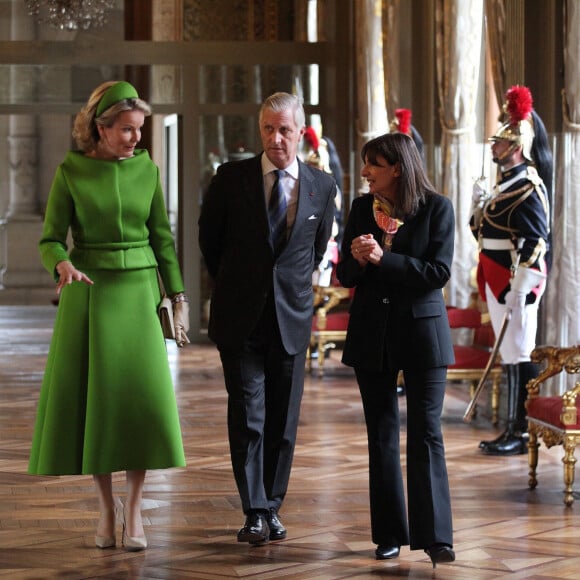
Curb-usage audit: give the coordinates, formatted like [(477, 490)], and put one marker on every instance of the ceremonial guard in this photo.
[(401, 123), (512, 228)]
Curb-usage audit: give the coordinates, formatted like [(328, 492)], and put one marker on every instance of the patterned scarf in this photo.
[(382, 210)]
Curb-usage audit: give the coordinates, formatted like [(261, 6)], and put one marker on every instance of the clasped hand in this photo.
[(366, 249)]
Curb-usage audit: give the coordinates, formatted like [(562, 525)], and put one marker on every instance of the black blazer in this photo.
[(235, 241), (398, 317)]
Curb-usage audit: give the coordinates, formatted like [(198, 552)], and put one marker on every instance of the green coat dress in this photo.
[(107, 401)]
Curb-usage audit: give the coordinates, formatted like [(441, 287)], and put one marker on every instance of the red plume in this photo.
[(404, 118), (519, 103), (311, 137)]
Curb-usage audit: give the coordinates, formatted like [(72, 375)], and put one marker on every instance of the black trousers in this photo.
[(429, 505), (265, 386)]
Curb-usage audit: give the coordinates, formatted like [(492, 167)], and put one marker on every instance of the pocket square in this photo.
[(312, 217)]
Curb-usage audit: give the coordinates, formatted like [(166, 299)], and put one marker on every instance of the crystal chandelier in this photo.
[(71, 14)]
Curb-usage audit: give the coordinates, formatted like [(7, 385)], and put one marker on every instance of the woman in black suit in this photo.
[(397, 252)]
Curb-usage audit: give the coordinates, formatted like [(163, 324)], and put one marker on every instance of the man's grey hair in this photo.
[(280, 102)]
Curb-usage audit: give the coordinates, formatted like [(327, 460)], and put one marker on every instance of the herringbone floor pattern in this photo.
[(47, 525)]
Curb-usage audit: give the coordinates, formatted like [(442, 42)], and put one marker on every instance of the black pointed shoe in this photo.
[(277, 529), (387, 552), (255, 530), (440, 554)]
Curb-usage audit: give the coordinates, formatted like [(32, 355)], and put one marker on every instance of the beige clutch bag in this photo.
[(166, 317)]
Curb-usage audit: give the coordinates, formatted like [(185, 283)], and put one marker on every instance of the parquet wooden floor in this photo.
[(47, 525)]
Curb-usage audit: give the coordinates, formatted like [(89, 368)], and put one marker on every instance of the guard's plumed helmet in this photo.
[(316, 152), (518, 125), (402, 122)]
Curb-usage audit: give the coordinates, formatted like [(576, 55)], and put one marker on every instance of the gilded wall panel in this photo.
[(237, 20)]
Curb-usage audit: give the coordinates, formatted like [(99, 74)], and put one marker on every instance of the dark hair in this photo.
[(334, 162), (544, 164), (418, 140), (414, 185), (541, 153)]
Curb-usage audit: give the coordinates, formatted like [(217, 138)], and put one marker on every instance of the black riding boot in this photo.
[(528, 371), (509, 371), (513, 441)]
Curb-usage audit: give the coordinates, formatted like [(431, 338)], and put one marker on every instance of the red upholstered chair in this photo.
[(556, 420), (330, 321), (471, 359)]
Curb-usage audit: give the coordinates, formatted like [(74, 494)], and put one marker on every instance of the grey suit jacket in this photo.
[(235, 242)]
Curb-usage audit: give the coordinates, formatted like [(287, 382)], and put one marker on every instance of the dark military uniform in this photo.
[(514, 222), (512, 231)]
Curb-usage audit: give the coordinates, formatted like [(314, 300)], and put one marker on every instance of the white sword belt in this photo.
[(496, 244)]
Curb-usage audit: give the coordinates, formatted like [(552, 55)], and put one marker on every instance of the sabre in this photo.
[(469, 412)]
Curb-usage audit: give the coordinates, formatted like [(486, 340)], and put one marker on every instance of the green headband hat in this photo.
[(114, 94)]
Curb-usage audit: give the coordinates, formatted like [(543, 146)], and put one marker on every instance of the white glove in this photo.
[(526, 279), (515, 300), (181, 322), (480, 195), (479, 198)]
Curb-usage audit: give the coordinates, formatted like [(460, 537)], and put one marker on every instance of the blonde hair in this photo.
[(85, 132)]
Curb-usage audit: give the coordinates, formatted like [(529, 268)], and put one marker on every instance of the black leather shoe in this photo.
[(386, 552), (440, 553), (277, 529), (505, 435), (509, 444), (483, 444), (255, 530)]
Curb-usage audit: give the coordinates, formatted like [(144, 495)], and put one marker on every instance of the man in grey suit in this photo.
[(263, 229)]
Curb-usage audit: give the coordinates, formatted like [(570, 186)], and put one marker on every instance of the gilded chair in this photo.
[(329, 322), (554, 419), (471, 359)]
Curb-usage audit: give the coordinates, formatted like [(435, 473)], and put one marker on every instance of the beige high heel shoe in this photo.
[(104, 542), (132, 543)]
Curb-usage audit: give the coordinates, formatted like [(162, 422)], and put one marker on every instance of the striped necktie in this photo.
[(277, 209)]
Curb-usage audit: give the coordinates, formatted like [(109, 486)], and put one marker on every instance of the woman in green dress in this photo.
[(107, 401)]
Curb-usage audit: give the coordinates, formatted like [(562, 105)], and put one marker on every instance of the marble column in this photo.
[(23, 164), (23, 218)]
